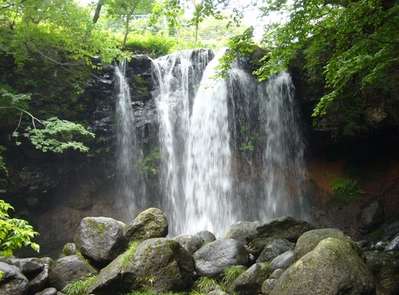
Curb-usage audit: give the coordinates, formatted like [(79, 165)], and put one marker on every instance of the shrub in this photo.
[(345, 190), (79, 287), (150, 44), (14, 233)]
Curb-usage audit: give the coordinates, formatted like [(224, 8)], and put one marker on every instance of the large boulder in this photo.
[(151, 223), (163, 265), (385, 267), (69, 269), (309, 240), (206, 236), (282, 228), (190, 242), (333, 267), (12, 281), (283, 261), (117, 277), (242, 231), (274, 249), (214, 257), (250, 281), (100, 239)]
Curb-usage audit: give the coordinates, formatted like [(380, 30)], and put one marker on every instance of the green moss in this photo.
[(345, 190), (98, 227), (128, 255), (79, 287), (231, 273), (1, 275)]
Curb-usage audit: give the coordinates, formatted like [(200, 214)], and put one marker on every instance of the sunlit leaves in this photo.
[(14, 233)]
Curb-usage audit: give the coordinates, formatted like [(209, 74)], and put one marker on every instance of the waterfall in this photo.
[(131, 186), (230, 148), (284, 168), (208, 181), (178, 76)]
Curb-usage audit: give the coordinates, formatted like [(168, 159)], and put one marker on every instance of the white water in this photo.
[(130, 184), (283, 156), (208, 181), (178, 76), (197, 111)]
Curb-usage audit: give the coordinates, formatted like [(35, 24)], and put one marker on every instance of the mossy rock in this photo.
[(333, 267), (309, 240), (151, 223), (250, 282)]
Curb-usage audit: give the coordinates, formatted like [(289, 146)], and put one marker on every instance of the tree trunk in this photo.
[(126, 31), (96, 16)]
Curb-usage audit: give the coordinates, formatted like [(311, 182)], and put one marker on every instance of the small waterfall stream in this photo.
[(131, 186), (230, 149)]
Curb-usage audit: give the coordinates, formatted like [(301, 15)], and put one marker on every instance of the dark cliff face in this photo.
[(55, 191)]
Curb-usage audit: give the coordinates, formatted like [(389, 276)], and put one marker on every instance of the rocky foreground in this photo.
[(284, 256)]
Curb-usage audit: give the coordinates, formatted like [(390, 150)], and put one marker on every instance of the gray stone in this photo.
[(276, 273), (250, 281), (48, 291), (206, 236), (100, 239), (12, 281), (163, 265), (68, 269), (333, 267), (371, 216), (385, 268), (214, 257), (243, 231), (69, 249), (217, 292), (282, 228), (41, 280), (190, 242), (393, 245), (283, 261), (268, 286), (273, 249), (309, 240), (151, 223), (30, 267)]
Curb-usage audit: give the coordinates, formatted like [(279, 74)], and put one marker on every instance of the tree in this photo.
[(14, 233), (124, 11), (352, 45)]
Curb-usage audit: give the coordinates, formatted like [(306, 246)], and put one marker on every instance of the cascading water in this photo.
[(178, 76), (208, 181), (207, 130), (283, 156), (130, 184)]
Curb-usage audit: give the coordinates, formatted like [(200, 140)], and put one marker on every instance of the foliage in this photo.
[(150, 44), (14, 233), (238, 46), (149, 165), (231, 273), (204, 285), (59, 135), (79, 287), (352, 45), (345, 190)]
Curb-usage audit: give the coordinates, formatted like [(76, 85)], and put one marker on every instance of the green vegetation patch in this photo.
[(345, 190), (231, 273), (79, 287)]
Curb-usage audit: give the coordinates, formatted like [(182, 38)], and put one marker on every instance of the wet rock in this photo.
[(283, 261), (41, 280), (274, 249), (309, 240), (333, 267), (151, 223), (206, 236), (68, 269), (282, 228), (371, 216), (48, 291), (214, 257), (385, 268), (100, 239), (12, 281), (163, 265), (250, 281), (393, 245), (30, 267), (189, 242), (243, 231)]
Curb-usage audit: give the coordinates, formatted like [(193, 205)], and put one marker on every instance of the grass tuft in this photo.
[(79, 287), (231, 273)]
